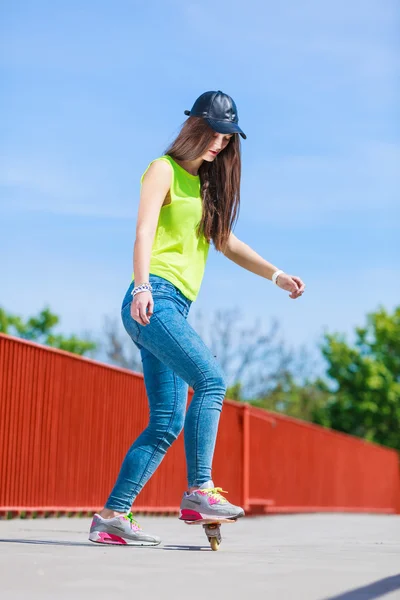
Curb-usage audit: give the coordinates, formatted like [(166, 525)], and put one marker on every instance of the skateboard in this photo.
[(212, 529)]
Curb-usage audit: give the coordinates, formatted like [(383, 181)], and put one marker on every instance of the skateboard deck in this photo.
[(209, 521)]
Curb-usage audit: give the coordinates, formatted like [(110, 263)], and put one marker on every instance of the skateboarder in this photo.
[(189, 198)]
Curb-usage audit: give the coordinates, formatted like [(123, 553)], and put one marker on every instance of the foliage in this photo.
[(40, 329), (364, 399), (361, 395)]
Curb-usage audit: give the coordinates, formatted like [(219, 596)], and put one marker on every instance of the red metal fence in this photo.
[(60, 450)]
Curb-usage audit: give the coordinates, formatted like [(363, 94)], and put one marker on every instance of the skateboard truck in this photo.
[(212, 529)]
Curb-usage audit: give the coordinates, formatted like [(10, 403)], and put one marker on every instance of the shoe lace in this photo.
[(216, 493), (133, 522)]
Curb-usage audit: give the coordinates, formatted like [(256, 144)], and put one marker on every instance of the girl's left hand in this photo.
[(292, 284)]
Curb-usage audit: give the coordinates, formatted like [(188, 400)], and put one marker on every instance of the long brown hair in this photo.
[(220, 179)]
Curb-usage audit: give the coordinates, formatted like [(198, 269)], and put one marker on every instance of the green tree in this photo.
[(364, 398), (40, 329), (234, 392)]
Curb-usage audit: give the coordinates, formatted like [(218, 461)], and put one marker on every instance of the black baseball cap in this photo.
[(219, 110)]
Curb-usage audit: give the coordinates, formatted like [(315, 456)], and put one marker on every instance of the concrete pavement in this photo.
[(299, 557)]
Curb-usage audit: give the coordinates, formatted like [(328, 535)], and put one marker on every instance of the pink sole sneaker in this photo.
[(101, 537), (122, 530), (190, 515)]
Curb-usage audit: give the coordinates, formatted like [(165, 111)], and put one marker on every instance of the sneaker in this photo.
[(208, 503), (122, 530)]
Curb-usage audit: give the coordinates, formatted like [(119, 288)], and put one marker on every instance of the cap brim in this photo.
[(225, 127)]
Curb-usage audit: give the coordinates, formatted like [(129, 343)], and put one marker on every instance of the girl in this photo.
[(189, 198)]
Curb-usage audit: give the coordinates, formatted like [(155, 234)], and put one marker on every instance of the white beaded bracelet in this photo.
[(144, 287), (276, 275)]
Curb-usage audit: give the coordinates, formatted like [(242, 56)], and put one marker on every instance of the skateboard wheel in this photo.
[(214, 543)]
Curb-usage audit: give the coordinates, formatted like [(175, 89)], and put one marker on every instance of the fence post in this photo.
[(246, 457)]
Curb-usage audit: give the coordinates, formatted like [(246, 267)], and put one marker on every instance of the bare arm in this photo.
[(244, 256), (155, 186)]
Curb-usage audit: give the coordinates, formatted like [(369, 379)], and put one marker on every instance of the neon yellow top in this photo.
[(178, 254)]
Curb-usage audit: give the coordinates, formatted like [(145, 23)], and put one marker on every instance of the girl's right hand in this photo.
[(142, 306), (291, 283)]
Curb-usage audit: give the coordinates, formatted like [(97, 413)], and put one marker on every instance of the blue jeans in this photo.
[(173, 357)]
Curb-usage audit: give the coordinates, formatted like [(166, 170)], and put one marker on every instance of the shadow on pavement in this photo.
[(195, 548), (46, 542), (373, 590), (91, 544)]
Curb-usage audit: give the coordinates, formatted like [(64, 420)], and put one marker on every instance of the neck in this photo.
[(191, 166)]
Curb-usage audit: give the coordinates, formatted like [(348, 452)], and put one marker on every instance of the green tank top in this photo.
[(178, 254)]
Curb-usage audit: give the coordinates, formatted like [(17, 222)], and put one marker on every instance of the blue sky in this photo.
[(93, 91)]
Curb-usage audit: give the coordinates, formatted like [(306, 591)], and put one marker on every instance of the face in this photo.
[(220, 141)]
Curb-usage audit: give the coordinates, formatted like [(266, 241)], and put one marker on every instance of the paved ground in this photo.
[(310, 557)]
